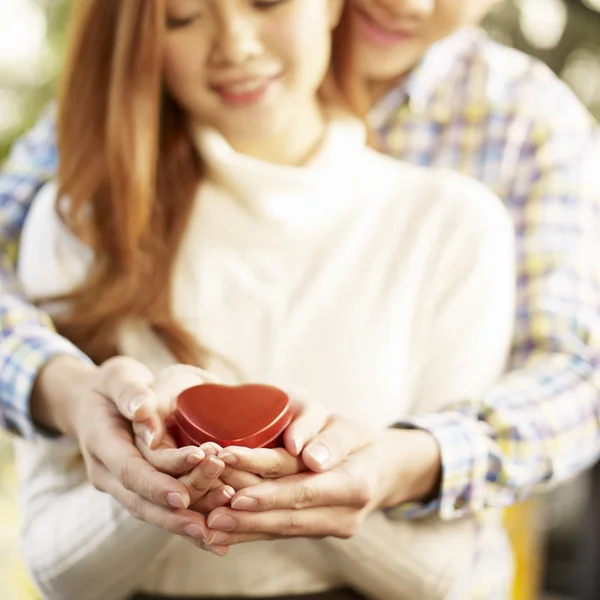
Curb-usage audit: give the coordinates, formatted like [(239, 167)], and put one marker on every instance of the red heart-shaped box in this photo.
[(252, 415)]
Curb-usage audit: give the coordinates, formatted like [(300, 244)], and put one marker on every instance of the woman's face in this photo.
[(249, 68)]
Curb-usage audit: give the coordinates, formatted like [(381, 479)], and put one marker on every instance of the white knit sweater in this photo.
[(381, 288)]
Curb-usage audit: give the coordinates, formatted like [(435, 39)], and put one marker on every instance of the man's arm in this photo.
[(539, 426), (27, 337)]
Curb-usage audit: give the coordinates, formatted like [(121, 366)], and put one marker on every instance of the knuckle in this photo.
[(305, 496), (363, 492), (125, 474), (294, 525), (348, 527), (251, 524), (198, 487), (108, 367), (134, 507), (163, 521), (268, 501), (272, 469), (359, 490), (130, 390)]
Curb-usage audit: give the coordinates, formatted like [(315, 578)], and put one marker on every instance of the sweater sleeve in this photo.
[(77, 542)]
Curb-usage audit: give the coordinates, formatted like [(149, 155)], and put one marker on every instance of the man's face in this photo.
[(393, 35)]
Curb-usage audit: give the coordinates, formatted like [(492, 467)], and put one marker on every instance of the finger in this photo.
[(339, 438), (239, 480), (313, 522), (310, 418), (215, 498), (178, 521), (211, 448), (128, 383), (265, 462), (173, 461), (222, 539), (172, 381), (146, 431), (203, 477), (136, 475), (218, 550), (305, 491)]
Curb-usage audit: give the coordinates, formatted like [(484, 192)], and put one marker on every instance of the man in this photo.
[(443, 95)]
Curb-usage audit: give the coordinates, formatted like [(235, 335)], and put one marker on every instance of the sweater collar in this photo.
[(290, 196)]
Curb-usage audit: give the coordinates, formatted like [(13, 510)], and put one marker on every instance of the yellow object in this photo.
[(14, 582), (526, 531)]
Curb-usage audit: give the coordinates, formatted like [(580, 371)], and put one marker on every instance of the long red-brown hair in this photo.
[(130, 170)]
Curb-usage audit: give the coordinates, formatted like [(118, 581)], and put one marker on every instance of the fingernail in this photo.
[(217, 537), (244, 503), (135, 404), (297, 445), (175, 500), (320, 454), (217, 551), (212, 468), (195, 458), (229, 459), (211, 449), (146, 433), (194, 530), (227, 495), (223, 522)]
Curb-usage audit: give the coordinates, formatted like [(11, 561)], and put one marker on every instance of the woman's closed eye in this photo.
[(266, 4), (177, 22)]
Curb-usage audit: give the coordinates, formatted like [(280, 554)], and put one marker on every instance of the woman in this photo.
[(227, 212)]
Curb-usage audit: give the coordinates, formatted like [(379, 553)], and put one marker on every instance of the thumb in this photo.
[(174, 380), (128, 383)]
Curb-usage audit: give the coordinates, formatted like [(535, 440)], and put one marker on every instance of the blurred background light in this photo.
[(22, 38), (582, 73), (543, 22), (593, 4)]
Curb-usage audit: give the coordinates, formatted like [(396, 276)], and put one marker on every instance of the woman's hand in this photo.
[(96, 407), (394, 467)]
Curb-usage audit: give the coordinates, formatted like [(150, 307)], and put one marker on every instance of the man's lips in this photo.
[(381, 35)]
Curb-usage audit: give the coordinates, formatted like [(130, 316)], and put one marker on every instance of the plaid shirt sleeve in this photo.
[(539, 425), (27, 338)]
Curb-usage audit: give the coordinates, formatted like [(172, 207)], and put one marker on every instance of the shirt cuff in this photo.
[(22, 356), (464, 457)]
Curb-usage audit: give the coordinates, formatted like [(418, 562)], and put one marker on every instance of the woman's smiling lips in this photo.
[(244, 91)]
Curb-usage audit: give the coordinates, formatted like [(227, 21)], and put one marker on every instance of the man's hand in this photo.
[(395, 467)]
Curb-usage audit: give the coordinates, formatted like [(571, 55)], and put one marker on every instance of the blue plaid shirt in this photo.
[(499, 117)]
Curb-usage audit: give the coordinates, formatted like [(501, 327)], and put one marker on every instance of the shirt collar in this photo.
[(440, 67)]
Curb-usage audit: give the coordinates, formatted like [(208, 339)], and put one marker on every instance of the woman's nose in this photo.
[(238, 39)]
